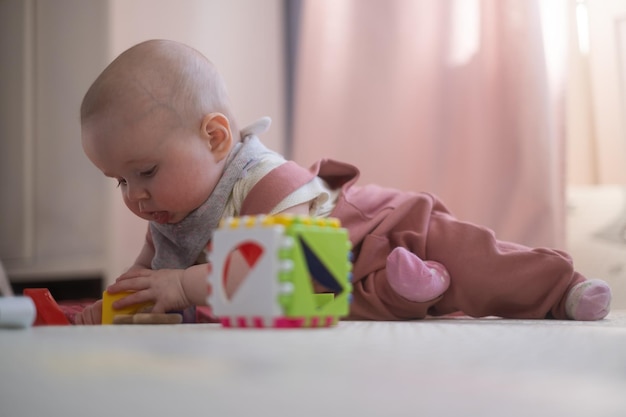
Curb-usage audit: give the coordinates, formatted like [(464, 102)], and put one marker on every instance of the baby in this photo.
[(158, 121)]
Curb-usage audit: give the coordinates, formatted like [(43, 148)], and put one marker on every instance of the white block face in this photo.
[(245, 271)]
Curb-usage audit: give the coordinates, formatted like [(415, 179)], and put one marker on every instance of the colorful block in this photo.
[(280, 271), (109, 313)]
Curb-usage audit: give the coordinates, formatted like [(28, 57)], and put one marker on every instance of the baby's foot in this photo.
[(414, 279), (588, 300)]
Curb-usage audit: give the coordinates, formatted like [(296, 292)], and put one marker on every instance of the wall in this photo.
[(54, 203), (51, 211)]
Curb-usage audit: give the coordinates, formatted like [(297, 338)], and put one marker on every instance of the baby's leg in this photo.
[(588, 300), (414, 279), (498, 278)]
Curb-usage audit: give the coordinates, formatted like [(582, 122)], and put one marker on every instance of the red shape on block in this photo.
[(48, 311), (251, 252)]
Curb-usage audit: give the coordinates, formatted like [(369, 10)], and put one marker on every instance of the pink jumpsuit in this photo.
[(488, 277)]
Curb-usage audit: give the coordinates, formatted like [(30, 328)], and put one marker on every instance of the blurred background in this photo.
[(512, 111)]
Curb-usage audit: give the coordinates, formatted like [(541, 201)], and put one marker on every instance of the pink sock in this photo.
[(588, 300), (414, 279)]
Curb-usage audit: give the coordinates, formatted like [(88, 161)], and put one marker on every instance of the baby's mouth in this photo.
[(161, 217)]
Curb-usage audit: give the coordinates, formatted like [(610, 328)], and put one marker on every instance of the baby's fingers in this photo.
[(129, 284), (158, 309), (134, 273), (133, 298)]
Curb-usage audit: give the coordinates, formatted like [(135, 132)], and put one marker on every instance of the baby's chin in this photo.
[(161, 217)]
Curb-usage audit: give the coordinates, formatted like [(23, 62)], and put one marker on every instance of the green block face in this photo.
[(321, 269)]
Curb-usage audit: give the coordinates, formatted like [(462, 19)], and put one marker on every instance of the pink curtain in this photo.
[(459, 98)]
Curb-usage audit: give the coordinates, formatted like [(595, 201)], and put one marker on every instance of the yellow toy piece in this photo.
[(109, 313), (280, 271)]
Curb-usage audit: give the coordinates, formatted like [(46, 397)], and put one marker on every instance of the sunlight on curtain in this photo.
[(446, 96), (464, 31), (555, 39), (582, 26)]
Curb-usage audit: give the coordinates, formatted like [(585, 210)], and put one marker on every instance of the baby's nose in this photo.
[(137, 193)]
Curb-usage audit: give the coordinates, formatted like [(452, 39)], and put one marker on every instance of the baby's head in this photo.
[(159, 121)]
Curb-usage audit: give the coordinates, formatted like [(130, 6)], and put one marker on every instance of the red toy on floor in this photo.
[(48, 311)]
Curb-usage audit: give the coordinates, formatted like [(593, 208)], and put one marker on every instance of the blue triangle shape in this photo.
[(318, 271)]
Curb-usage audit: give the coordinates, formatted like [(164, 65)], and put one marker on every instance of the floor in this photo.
[(437, 367)]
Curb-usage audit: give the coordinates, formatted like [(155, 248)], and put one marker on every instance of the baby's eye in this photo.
[(121, 182), (149, 172)]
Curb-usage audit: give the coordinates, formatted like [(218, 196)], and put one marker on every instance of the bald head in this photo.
[(163, 79)]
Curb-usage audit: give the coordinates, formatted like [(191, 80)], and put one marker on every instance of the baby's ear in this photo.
[(215, 129)]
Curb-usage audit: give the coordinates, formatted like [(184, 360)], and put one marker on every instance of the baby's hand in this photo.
[(90, 315), (161, 287)]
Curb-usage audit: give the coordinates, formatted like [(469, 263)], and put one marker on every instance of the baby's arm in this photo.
[(92, 314), (168, 289)]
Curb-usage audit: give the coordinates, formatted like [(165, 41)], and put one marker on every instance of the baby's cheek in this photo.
[(189, 195), (134, 207)]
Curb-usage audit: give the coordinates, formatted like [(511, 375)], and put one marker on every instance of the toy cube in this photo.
[(109, 313), (280, 271)]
